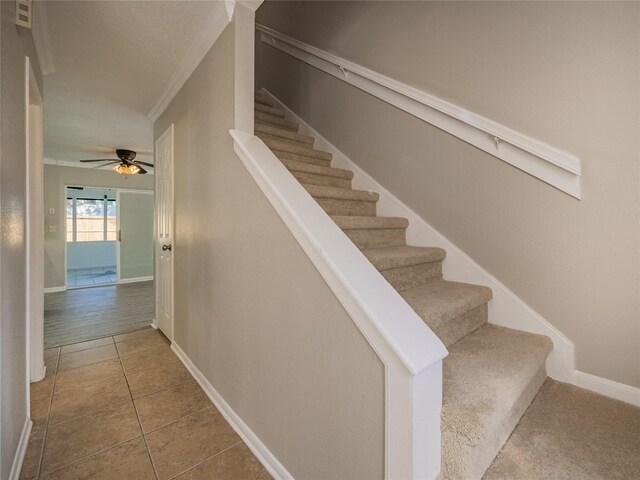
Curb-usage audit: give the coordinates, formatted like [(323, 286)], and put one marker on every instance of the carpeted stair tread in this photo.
[(490, 378), (296, 166), (276, 112), (283, 133), (443, 306), (361, 223), (284, 145), (276, 121), (318, 191), (396, 257)]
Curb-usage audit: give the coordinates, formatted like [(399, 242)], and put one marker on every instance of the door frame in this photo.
[(168, 133), (34, 227), (118, 265)]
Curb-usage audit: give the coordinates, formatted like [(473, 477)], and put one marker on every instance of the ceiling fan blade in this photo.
[(143, 163), (74, 188), (101, 160), (142, 170), (105, 164)]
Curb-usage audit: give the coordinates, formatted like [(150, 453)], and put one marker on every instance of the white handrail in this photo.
[(411, 353), (546, 162)]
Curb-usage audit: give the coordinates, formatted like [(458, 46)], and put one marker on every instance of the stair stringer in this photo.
[(506, 309)]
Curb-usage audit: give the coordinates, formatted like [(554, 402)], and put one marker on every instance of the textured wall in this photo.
[(55, 180), (565, 73), (15, 44), (252, 312)]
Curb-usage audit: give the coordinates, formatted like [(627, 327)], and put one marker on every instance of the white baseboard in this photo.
[(608, 388), (134, 280), (21, 450), (55, 289), (506, 308), (259, 449)]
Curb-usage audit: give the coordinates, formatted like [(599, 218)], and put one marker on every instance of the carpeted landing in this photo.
[(571, 433)]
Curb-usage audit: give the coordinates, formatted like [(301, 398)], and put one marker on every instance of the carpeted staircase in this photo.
[(492, 373)]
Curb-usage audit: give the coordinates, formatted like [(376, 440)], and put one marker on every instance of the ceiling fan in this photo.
[(127, 164)]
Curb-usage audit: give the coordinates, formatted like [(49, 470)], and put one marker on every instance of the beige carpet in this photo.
[(571, 433)]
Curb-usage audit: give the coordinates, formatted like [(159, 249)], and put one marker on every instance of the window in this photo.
[(91, 219)]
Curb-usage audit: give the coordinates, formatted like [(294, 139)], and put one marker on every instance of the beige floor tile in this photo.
[(147, 358), (154, 379), (129, 460), (109, 370), (51, 361), (234, 464), (77, 439), (144, 342), (40, 410), (172, 404), (31, 462), (76, 347), (86, 357), (41, 390), (183, 444), (81, 400), (135, 334)]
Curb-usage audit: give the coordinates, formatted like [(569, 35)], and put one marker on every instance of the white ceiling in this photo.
[(113, 60)]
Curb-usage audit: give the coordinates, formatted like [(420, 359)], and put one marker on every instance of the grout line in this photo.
[(207, 459), (163, 389), (178, 419), (92, 455), (46, 427), (135, 409)]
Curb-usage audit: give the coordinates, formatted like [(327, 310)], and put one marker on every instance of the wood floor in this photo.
[(89, 313)]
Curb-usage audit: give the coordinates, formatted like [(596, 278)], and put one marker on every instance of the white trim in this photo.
[(609, 388), (212, 29), (18, 459), (42, 39), (55, 289), (135, 279), (506, 308), (411, 353), (259, 449), (556, 167)]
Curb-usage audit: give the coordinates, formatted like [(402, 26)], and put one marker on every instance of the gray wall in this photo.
[(565, 73), (15, 44), (252, 312), (136, 223), (55, 179)]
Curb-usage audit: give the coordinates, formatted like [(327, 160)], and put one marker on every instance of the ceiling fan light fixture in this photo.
[(129, 169)]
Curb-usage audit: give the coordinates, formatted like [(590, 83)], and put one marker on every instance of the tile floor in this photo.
[(87, 277), (124, 407)]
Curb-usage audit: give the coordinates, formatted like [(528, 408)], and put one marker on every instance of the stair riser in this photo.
[(301, 158), (377, 237), (478, 461), (413, 275), (279, 134), (293, 147), (276, 121), (334, 206), (263, 101), (276, 112), (323, 180), (453, 330)]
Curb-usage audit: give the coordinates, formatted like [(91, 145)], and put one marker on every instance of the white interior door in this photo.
[(163, 172)]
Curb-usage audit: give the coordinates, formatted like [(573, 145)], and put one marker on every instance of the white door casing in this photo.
[(163, 172), (34, 226)]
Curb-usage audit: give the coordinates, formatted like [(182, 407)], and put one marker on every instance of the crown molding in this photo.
[(212, 29), (42, 39)]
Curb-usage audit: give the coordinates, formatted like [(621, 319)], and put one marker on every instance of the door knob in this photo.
[(166, 247)]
